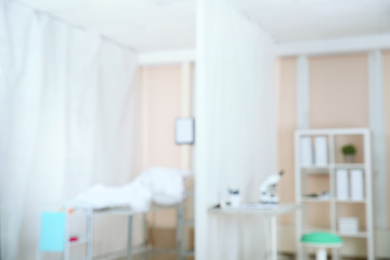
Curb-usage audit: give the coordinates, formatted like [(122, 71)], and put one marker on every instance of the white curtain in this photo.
[(68, 109), (235, 106)]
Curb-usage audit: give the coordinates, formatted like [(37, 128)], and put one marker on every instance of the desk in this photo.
[(271, 211)]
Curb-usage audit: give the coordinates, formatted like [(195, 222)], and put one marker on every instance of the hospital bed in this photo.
[(132, 253)]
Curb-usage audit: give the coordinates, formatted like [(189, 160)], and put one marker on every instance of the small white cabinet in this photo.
[(327, 186)]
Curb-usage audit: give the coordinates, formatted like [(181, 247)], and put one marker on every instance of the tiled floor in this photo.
[(173, 257), (165, 257)]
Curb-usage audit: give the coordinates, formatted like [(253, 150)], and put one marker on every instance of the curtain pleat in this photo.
[(68, 109), (235, 108)]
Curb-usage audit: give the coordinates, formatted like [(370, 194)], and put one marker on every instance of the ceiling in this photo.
[(159, 25), (297, 20), (143, 25)]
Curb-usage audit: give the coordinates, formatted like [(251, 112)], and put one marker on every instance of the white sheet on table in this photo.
[(162, 185), (132, 195), (165, 184)]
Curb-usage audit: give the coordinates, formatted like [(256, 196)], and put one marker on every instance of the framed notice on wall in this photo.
[(185, 130)]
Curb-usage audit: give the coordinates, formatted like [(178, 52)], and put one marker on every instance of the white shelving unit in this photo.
[(301, 173)]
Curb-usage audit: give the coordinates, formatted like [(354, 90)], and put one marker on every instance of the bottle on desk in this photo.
[(234, 198)]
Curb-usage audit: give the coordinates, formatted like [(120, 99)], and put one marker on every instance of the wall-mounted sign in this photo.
[(184, 130)]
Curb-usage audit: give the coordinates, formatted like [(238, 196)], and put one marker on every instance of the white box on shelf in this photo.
[(356, 184), (306, 152), (342, 187), (321, 151), (348, 225)]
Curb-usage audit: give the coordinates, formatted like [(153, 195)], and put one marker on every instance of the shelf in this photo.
[(307, 199), (358, 234), (349, 165), (327, 168), (316, 169), (351, 201), (334, 131)]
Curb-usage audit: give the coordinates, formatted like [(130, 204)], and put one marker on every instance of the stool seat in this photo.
[(322, 241)]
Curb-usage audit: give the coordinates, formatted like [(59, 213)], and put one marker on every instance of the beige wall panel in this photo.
[(160, 90), (317, 215), (386, 75), (287, 125), (162, 100), (164, 84), (339, 91)]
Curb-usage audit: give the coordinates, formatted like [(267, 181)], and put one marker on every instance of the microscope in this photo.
[(268, 189)]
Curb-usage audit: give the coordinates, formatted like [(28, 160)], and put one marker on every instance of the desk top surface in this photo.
[(257, 209)]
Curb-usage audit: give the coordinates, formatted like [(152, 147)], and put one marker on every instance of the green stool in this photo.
[(321, 241)]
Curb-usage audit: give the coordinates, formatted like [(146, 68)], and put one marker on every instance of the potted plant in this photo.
[(349, 152)]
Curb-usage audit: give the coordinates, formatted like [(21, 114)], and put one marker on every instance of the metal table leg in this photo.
[(180, 232), (90, 234), (145, 229), (66, 247), (130, 238), (274, 239)]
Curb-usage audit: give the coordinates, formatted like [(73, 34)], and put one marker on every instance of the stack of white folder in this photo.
[(314, 156), (350, 184)]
